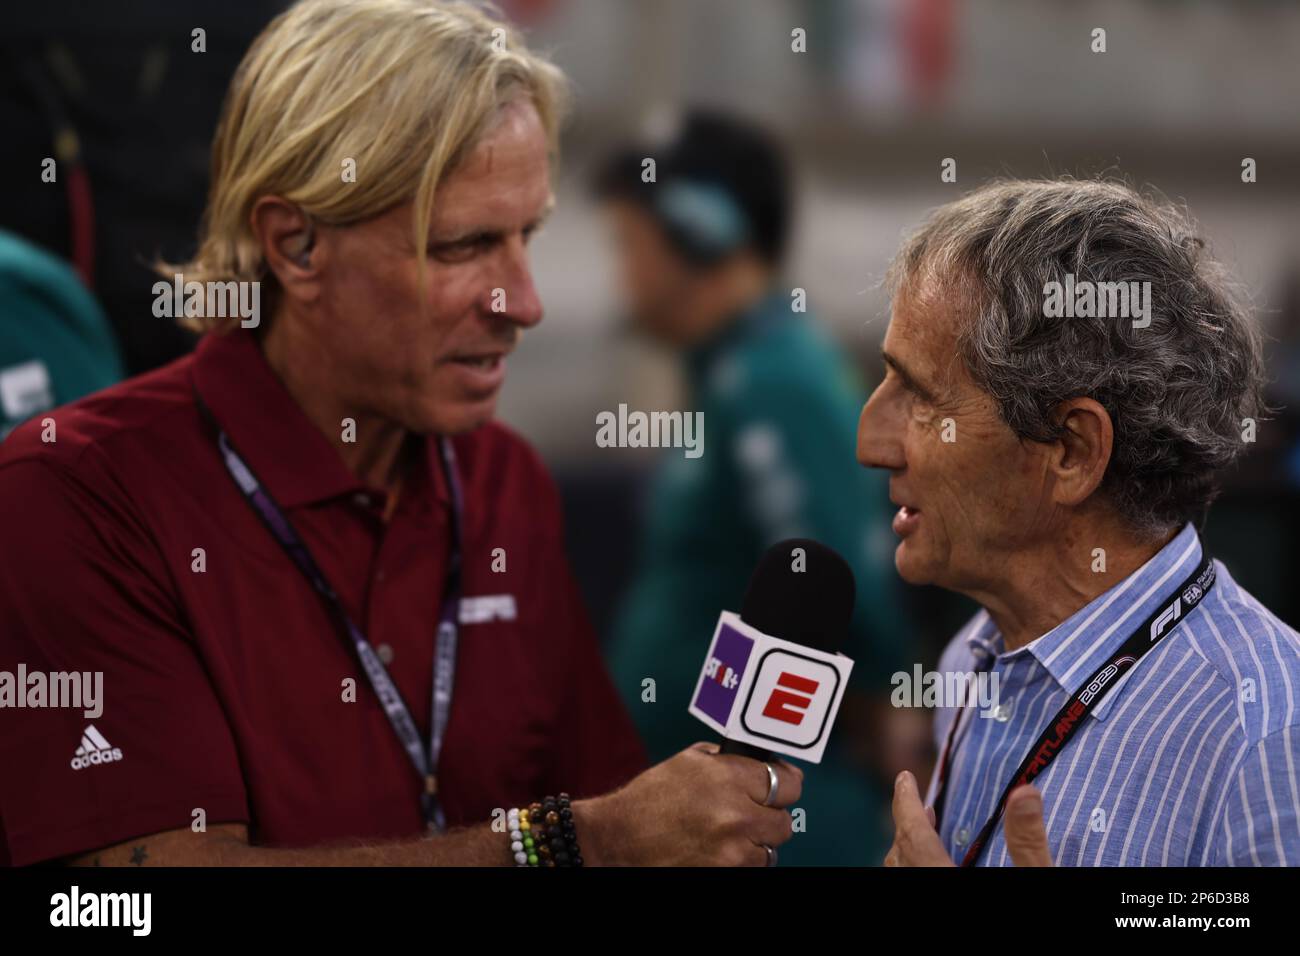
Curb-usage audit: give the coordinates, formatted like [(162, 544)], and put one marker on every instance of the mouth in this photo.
[(481, 362), (906, 519), (480, 373)]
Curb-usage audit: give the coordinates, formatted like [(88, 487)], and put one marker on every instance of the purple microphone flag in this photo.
[(722, 673)]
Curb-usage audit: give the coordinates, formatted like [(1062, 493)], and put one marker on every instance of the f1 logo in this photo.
[(1168, 616), (790, 698)]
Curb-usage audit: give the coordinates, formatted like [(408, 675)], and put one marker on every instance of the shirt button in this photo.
[(1002, 713), (385, 653), (361, 499), (961, 837)]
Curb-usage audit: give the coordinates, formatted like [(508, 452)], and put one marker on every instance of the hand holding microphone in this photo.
[(774, 680), (697, 808), (771, 684)]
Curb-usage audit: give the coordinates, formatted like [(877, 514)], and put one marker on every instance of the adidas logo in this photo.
[(94, 749)]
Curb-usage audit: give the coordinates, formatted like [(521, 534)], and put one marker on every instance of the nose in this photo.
[(515, 296), (880, 432)]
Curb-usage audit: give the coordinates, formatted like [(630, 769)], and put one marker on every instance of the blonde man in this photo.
[(259, 543)]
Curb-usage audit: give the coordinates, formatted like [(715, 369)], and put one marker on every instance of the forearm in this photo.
[(227, 845), (696, 808)]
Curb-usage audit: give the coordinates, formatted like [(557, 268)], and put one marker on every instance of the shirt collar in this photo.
[(983, 639), (1076, 647), (295, 462)]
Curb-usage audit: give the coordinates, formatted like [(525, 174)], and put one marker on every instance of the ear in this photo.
[(1082, 452), (286, 236)]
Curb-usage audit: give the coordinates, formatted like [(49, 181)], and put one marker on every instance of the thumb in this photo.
[(1023, 828)]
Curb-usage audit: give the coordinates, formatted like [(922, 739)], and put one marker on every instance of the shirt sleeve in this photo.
[(596, 745), (1260, 823), (598, 748), (84, 593)]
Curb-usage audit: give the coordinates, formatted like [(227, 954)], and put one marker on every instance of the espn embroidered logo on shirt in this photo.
[(487, 607), (94, 749), (771, 693)]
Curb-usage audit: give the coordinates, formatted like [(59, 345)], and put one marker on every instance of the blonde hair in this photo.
[(403, 88)]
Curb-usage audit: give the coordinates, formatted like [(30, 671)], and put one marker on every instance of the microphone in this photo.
[(779, 659)]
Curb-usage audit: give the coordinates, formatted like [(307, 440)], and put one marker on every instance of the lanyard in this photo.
[(444, 654), (1061, 729)]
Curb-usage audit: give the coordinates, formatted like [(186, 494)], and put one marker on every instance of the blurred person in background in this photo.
[(700, 251), (55, 342)]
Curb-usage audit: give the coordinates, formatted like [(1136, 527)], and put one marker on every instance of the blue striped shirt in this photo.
[(1190, 760)]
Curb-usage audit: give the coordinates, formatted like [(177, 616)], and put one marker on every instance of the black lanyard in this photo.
[(444, 654), (1059, 731)]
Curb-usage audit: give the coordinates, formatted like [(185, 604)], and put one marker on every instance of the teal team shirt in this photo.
[(781, 404), (55, 342)]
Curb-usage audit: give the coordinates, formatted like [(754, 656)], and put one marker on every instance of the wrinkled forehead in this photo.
[(927, 315)]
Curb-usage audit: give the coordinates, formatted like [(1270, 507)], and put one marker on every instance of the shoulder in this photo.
[(1253, 652), (787, 355), (90, 438), (76, 482), (801, 351)]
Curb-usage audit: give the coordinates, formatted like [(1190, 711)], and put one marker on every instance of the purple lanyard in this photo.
[(444, 653)]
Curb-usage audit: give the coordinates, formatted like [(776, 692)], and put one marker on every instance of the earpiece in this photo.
[(303, 258)]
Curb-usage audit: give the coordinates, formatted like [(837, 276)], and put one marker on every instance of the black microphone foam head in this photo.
[(803, 597)]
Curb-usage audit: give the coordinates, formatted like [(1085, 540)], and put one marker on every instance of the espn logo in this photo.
[(790, 698)]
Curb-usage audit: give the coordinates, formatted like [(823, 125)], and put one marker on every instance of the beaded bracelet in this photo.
[(544, 834), (521, 840)]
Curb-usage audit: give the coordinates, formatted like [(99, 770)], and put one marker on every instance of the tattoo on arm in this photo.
[(137, 856)]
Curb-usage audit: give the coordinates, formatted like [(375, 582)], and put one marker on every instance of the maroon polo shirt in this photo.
[(224, 688)]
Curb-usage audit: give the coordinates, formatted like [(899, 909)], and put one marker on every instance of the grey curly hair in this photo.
[(1178, 392)]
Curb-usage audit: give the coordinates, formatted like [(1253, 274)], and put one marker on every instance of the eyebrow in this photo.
[(475, 235), (909, 380)]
